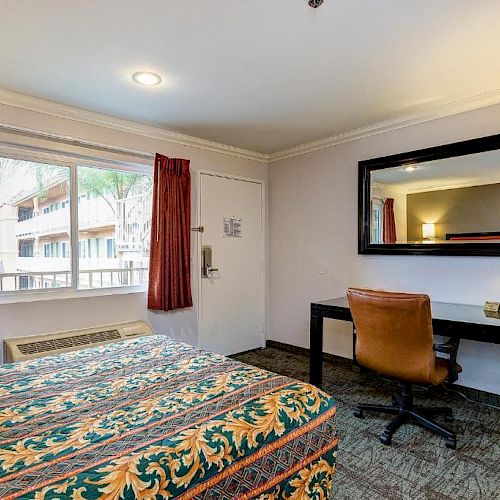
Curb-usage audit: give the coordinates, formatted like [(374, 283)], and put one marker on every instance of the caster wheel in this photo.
[(385, 439), (451, 443), (358, 413), (449, 418)]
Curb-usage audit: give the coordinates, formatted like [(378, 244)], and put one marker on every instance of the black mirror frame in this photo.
[(462, 148)]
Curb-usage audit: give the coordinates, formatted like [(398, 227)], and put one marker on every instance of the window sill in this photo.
[(13, 298)]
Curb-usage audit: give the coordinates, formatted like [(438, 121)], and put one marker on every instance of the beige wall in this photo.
[(464, 210), (313, 223), (37, 317)]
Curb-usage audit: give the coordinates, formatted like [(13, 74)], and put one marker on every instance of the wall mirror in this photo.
[(443, 200)]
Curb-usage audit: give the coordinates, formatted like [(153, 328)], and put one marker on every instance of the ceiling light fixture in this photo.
[(315, 3), (410, 168), (146, 78)]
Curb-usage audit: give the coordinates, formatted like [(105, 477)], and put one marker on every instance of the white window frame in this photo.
[(377, 206), (72, 161)]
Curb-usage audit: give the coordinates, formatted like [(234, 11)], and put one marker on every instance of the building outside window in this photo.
[(112, 221)]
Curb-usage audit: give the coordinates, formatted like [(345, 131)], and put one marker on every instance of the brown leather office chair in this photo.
[(394, 337)]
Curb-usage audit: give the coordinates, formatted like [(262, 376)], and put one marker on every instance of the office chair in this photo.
[(394, 338)]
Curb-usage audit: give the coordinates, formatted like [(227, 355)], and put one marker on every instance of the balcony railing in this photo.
[(93, 213), (133, 224), (89, 278), (53, 223)]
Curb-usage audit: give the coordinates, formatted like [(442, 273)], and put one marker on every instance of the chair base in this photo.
[(407, 412)]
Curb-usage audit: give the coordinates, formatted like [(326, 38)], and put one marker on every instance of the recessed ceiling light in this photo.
[(410, 168), (146, 78)]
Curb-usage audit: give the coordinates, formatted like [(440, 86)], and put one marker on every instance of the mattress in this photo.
[(154, 418)]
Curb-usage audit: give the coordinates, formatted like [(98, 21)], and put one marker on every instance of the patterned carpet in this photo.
[(417, 465)]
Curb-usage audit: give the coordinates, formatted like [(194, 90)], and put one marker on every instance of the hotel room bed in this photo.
[(155, 418)]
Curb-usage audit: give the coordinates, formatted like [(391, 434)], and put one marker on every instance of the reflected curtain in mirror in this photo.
[(389, 221), (170, 253)]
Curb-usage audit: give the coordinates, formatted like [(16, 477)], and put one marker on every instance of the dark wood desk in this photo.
[(449, 320)]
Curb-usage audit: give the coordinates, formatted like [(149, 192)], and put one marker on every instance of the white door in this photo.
[(232, 292)]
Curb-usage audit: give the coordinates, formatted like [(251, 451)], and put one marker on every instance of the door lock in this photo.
[(206, 262)]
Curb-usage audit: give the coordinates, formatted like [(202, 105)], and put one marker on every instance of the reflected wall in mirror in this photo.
[(443, 200)]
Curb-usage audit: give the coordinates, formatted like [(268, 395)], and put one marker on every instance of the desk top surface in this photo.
[(462, 313)]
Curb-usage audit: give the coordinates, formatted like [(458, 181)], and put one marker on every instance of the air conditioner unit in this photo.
[(36, 346)]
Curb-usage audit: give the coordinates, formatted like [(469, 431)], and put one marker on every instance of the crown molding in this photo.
[(38, 105), (43, 106), (429, 114)]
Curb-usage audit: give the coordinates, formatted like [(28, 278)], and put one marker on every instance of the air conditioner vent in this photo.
[(21, 348), (66, 342)]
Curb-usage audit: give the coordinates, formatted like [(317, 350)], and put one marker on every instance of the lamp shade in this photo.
[(428, 230)]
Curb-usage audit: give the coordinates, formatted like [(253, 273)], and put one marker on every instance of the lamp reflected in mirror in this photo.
[(429, 231)]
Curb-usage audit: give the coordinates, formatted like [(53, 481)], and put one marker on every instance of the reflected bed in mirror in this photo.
[(443, 201)]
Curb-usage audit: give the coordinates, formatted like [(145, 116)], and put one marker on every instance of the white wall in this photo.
[(313, 223), (31, 318)]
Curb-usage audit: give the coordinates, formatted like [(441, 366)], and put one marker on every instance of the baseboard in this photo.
[(477, 395), (303, 351), (473, 394)]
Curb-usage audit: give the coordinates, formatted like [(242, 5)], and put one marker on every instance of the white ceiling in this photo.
[(259, 74), (461, 171)]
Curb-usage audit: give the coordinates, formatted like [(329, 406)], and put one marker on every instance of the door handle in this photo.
[(209, 272)]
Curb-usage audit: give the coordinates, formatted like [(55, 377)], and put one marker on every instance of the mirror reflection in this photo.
[(454, 200)]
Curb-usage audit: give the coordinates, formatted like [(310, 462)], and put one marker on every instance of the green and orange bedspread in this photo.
[(153, 418)]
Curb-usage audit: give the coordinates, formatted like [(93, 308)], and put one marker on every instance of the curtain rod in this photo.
[(72, 141)]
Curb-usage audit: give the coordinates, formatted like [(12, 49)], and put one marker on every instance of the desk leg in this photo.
[(316, 350), (355, 366)]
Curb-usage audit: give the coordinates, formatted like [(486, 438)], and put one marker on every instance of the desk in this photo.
[(449, 320)]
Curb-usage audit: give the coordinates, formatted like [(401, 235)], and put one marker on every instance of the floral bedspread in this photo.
[(154, 418)]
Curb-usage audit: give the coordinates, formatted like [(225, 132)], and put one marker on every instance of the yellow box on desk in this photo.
[(490, 306)]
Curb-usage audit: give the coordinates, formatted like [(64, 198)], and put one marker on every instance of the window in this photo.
[(23, 283), (26, 189), (377, 227), (116, 213), (26, 248), (24, 213), (110, 248), (82, 249), (112, 219), (65, 249)]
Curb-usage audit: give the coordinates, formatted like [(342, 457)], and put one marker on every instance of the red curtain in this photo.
[(389, 221), (169, 262)]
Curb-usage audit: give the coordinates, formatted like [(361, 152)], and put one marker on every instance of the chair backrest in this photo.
[(394, 333)]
